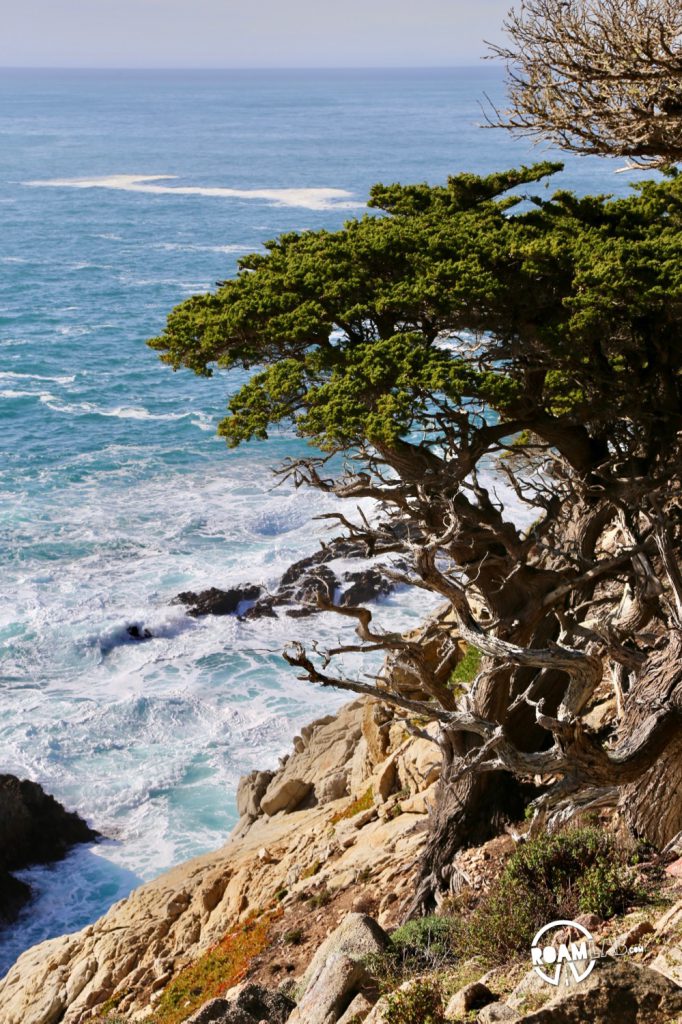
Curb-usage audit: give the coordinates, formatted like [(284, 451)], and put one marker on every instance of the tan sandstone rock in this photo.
[(169, 922)]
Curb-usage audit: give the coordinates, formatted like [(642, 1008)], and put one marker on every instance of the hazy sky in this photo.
[(246, 33)]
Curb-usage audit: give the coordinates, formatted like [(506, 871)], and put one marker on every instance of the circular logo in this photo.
[(548, 960)]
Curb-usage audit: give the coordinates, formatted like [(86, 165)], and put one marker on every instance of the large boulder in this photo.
[(616, 992), (253, 1005), (319, 768), (34, 829), (331, 990), (250, 792), (357, 936), (285, 795)]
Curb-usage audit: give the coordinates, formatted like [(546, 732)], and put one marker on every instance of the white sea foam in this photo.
[(11, 375), (191, 247), (306, 198), (122, 412)]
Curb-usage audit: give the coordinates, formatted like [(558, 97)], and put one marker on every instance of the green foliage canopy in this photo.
[(560, 313)]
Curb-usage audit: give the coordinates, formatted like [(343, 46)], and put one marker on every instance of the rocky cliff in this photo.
[(342, 820)]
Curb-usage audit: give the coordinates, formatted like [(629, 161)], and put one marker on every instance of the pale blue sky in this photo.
[(246, 33)]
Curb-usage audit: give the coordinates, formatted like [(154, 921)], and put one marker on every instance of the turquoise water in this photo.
[(121, 193)]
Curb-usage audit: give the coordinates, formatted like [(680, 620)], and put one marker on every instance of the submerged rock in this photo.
[(34, 829)]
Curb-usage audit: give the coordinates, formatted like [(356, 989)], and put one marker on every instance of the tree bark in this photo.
[(653, 804)]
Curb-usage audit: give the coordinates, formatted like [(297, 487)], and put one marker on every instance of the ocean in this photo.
[(121, 193)]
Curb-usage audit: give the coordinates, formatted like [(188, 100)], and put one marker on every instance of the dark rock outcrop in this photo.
[(136, 632), (253, 1005), (217, 602), (299, 590), (366, 585), (34, 829)]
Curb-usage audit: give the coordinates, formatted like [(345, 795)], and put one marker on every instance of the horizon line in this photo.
[(243, 67)]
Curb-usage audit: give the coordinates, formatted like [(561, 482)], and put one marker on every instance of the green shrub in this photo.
[(424, 935), (424, 944), (466, 669), (321, 898), (578, 870), (422, 1003)]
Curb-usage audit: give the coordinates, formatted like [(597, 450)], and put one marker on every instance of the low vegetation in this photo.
[(583, 869), (357, 806), (421, 1003), (578, 870), (216, 971)]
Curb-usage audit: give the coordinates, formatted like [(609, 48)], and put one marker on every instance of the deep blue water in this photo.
[(114, 492)]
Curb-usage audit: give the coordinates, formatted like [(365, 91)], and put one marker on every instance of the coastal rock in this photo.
[(356, 937), (301, 587), (264, 1004), (319, 766), (34, 829), (14, 894), (137, 632), (250, 792), (254, 1004), (330, 990), (285, 795), (616, 992), (366, 585), (135, 946), (217, 602), (472, 997)]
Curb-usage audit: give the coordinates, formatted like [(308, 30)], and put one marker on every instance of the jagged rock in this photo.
[(384, 779), (376, 719), (335, 983), (616, 992), (220, 1011), (419, 765), (357, 1011), (319, 583), (366, 585), (217, 602), (14, 895), (360, 767), (265, 1004), (263, 609), (252, 1005), (472, 997), (250, 792), (134, 945), (34, 829), (320, 763), (284, 795), (332, 787), (356, 937)]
